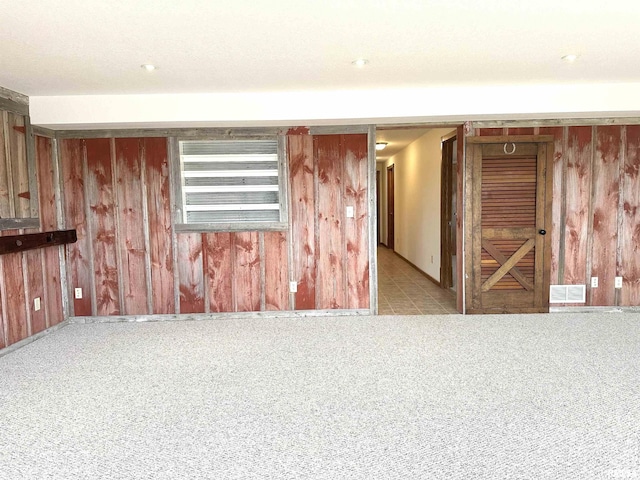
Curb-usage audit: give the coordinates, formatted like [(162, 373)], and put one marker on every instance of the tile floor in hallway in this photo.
[(404, 290)]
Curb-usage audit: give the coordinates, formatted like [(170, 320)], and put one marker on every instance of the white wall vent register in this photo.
[(567, 294)]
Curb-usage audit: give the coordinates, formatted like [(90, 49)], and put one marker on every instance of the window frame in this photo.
[(239, 226), (11, 106)]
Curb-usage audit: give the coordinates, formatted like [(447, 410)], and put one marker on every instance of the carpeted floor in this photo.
[(442, 397)]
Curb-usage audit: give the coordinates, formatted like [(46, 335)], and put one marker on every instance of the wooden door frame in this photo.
[(472, 229), (446, 213), (378, 222), (391, 216)]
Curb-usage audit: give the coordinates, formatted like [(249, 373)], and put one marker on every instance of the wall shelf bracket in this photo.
[(30, 241)]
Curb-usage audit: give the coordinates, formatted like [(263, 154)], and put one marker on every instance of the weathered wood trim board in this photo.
[(188, 317), (31, 241)]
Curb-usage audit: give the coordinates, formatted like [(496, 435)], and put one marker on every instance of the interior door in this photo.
[(447, 214), (510, 213), (390, 209), (377, 207)]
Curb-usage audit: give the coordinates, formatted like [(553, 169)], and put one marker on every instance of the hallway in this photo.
[(404, 290)]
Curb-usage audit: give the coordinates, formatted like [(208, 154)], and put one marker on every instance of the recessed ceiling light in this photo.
[(148, 67), (361, 62), (570, 58), (381, 145)]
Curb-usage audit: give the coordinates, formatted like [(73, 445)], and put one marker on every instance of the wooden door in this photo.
[(390, 209), (447, 215), (377, 207), (510, 214)]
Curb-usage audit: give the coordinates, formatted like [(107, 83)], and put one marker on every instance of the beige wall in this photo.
[(417, 201)]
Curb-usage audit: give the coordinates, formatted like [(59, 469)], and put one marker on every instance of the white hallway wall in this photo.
[(417, 170)]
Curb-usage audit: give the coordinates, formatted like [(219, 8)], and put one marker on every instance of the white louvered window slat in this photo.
[(230, 181)]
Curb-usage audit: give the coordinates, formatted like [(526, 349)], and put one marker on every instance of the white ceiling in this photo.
[(397, 140), (96, 47)]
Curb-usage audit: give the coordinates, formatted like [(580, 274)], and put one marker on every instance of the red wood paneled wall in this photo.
[(117, 197), (35, 273), (596, 208)]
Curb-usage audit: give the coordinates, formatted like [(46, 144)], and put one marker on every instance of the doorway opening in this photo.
[(417, 264)]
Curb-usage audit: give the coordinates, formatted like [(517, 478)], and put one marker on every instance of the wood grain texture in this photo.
[(19, 166), (103, 228), (159, 215), (605, 198), (46, 187), (14, 290), (276, 271), (34, 239), (218, 271), (302, 195), (6, 189), (629, 267), (128, 156), (33, 261), (557, 219), (544, 218), (460, 205), (190, 273), (502, 237), (78, 257), (53, 285), (468, 276), (52, 301), (474, 225), (520, 131), (330, 275), (578, 200), (247, 271), (225, 270), (356, 229), (490, 132), (3, 298)]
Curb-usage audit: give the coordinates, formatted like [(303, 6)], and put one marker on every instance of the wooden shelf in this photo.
[(20, 243)]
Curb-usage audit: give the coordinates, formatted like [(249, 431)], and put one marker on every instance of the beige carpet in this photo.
[(443, 397)]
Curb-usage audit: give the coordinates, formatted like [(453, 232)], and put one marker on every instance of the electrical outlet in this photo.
[(594, 282), (293, 287), (618, 283), (36, 304), (78, 293)]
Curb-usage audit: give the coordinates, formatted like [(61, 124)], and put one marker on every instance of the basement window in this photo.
[(232, 185)]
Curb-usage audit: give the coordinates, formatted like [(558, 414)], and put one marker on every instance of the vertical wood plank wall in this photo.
[(596, 208), (302, 175), (35, 273), (116, 195), (15, 197)]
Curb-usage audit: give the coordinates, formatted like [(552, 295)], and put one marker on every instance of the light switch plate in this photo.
[(36, 304), (350, 212)]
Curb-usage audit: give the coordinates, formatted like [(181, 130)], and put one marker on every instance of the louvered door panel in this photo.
[(508, 192), (508, 214), (508, 201)]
